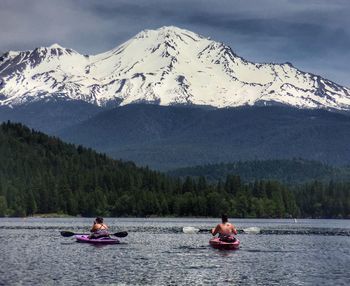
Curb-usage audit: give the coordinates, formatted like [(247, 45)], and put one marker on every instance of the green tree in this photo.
[(3, 206)]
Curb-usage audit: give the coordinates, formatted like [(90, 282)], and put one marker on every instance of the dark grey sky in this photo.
[(314, 35)]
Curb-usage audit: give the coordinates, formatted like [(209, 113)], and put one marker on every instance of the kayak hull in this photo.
[(218, 244), (84, 238)]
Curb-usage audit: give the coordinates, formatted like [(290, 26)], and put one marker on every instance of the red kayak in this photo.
[(219, 244)]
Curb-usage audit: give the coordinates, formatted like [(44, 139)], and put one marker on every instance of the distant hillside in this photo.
[(168, 137), (286, 171), (49, 116)]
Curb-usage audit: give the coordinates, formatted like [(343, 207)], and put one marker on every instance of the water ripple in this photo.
[(156, 252)]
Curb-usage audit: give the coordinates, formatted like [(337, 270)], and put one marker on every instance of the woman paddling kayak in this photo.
[(99, 229), (99, 234)]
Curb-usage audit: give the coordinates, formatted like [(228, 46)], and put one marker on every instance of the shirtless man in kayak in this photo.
[(99, 229), (225, 230)]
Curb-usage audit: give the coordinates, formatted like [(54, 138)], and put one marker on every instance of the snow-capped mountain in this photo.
[(165, 66)]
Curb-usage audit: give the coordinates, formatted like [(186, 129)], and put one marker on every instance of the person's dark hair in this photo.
[(99, 219), (224, 218)]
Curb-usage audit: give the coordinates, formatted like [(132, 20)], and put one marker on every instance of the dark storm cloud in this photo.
[(312, 34)]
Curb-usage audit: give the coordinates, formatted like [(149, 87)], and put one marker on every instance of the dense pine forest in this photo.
[(41, 174)]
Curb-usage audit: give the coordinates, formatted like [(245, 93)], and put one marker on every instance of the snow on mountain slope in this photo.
[(165, 66)]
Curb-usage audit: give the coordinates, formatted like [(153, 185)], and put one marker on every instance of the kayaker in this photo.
[(99, 229), (225, 230)]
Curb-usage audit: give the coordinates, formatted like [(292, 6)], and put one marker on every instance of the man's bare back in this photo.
[(224, 228)]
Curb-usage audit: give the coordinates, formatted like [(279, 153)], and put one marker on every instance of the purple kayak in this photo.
[(218, 244), (102, 240)]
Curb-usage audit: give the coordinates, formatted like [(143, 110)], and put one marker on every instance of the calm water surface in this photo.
[(156, 252)]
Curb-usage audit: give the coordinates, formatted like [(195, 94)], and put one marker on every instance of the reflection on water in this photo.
[(156, 252)]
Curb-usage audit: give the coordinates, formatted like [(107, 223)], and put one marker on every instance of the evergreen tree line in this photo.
[(41, 174), (330, 200), (288, 171)]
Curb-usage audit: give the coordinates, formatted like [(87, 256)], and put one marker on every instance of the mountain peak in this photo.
[(167, 32), (166, 66), (173, 30), (55, 46)]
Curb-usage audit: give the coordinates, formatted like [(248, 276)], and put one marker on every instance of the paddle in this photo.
[(251, 230), (192, 230), (117, 234)]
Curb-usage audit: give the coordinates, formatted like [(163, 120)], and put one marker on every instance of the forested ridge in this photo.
[(287, 171), (180, 136), (42, 174)]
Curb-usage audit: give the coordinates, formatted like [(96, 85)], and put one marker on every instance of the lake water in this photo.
[(156, 252)]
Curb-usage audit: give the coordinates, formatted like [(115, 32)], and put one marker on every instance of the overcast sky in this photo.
[(314, 35)]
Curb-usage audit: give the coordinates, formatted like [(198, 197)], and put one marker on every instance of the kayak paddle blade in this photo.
[(251, 230), (67, 233), (121, 234), (190, 230)]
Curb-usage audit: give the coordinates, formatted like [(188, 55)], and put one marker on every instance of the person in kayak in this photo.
[(225, 230), (99, 229)]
